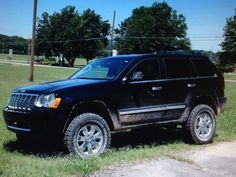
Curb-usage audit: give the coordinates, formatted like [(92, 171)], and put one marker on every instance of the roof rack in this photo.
[(177, 52)]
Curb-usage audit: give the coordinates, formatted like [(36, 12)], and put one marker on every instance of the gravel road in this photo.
[(216, 160)]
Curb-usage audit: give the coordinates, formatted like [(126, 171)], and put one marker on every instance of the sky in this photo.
[(205, 18)]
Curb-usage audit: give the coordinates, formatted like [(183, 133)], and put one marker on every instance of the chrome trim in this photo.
[(153, 109), (21, 101), (160, 80), (176, 79), (203, 77), (20, 129), (147, 81), (31, 94)]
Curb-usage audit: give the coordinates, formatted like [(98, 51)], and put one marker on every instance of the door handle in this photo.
[(156, 88), (192, 85)]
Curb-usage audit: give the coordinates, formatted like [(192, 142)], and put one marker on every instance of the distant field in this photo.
[(127, 147), (15, 57), (25, 58)]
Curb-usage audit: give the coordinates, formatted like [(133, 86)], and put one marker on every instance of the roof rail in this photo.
[(177, 52)]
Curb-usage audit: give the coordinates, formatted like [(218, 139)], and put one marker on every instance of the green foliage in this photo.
[(72, 34), (18, 44), (93, 27), (229, 43), (211, 55), (227, 59), (149, 29)]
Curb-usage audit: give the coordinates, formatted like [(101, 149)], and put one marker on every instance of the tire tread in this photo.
[(190, 122)]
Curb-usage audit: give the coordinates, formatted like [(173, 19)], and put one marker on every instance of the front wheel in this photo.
[(87, 135), (201, 124)]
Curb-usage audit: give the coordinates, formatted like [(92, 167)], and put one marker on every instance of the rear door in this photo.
[(207, 79), (177, 85)]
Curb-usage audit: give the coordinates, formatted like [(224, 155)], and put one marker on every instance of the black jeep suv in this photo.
[(118, 93)]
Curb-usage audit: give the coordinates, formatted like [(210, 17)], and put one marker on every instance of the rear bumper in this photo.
[(222, 104)]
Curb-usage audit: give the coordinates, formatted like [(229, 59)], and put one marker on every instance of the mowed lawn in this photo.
[(16, 161)]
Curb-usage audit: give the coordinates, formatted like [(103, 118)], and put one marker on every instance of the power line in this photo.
[(194, 38)]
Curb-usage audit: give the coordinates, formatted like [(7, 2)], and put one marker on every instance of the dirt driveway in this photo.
[(211, 161)]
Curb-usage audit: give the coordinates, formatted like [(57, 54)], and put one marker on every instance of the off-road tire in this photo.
[(191, 125), (74, 130)]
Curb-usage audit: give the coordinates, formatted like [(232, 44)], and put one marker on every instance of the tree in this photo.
[(229, 43), (227, 58), (71, 34), (55, 34), (153, 28), (43, 45), (18, 44), (95, 32)]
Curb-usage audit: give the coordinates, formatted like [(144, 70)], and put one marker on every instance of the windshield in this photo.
[(107, 68)]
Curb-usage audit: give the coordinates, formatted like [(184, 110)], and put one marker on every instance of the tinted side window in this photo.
[(177, 68), (148, 68), (204, 67)]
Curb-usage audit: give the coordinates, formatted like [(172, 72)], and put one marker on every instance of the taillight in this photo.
[(222, 84)]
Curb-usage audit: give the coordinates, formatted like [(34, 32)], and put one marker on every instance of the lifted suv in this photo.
[(117, 93)]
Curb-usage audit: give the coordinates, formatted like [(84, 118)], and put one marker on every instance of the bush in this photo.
[(226, 61), (226, 68)]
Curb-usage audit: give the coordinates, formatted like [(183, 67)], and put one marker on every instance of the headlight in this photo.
[(48, 101)]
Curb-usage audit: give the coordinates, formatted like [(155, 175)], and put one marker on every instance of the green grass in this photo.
[(15, 57), (127, 147), (230, 76)]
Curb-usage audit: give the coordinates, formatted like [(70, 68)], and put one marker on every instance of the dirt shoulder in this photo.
[(211, 161)]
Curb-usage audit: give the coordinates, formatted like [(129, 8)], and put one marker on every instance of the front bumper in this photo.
[(37, 121)]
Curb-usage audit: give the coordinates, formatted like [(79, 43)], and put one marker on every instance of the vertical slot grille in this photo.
[(19, 101)]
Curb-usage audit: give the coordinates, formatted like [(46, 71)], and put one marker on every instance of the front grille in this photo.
[(22, 101)]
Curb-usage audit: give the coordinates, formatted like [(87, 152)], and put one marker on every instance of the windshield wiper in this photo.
[(84, 78)]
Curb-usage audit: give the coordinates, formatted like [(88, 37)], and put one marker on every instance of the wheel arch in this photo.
[(96, 107), (206, 99)]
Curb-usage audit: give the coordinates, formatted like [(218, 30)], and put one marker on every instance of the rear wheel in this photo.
[(87, 135), (201, 124)]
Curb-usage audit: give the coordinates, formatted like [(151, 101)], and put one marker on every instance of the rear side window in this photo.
[(203, 67), (177, 68)]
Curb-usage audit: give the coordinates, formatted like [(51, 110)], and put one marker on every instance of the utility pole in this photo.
[(28, 52), (31, 75), (112, 31)]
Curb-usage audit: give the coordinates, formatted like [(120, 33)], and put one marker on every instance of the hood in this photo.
[(57, 85)]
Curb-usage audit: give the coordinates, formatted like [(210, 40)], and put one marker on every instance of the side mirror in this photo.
[(136, 76), (125, 80)]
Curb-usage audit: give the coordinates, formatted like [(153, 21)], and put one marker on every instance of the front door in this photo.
[(142, 96)]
